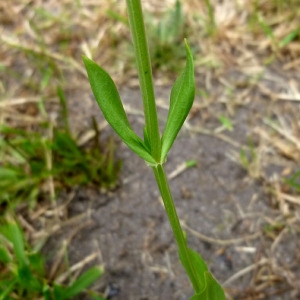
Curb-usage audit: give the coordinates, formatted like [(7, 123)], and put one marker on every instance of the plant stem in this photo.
[(145, 75), (174, 221), (137, 27)]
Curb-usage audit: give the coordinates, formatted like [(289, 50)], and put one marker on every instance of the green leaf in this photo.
[(290, 37), (181, 101), (190, 163), (226, 123), (4, 255), (199, 266), (146, 139), (8, 172), (37, 263), (46, 292), (28, 281), (84, 281), (59, 292), (13, 233), (109, 101), (4, 294), (25, 277), (210, 288)]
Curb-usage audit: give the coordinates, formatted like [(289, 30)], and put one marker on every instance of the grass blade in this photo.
[(83, 281), (12, 232)]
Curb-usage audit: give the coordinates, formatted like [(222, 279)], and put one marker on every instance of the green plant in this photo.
[(211, 25), (226, 123), (23, 275), (294, 181), (266, 17), (163, 38), (29, 159), (249, 159), (154, 149)]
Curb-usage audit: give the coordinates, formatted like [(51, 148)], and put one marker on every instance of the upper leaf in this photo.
[(181, 101), (109, 101)]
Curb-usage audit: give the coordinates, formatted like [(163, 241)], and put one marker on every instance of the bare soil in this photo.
[(231, 215)]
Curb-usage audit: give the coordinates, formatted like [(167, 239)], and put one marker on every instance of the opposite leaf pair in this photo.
[(109, 101)]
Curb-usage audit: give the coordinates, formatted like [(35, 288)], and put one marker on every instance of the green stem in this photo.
[(175, 224), (137, 27)]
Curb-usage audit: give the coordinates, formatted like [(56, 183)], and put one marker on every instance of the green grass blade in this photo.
[(37, 263), (108, 99), (4, 255), (59, 292), (226, 123), (12, 232), (25, 276), (289, 38), (4, 294), (84, 281), (181, 101), (63, 104)]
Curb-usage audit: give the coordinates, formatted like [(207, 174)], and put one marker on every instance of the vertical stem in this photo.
[(136, 22), (175, 224)]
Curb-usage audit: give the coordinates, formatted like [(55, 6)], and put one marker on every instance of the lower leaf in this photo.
[(210, 288)]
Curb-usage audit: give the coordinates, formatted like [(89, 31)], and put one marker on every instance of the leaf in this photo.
[(9, 286), (190, 163), (289, 38), (25, 277), (181, 101), (4, 255), (28, 281), (83, 282), (210, 288), (46, 292), (59, 292), (108, 99), (198, 264), (37, 263), (226, 123), (13, 233)]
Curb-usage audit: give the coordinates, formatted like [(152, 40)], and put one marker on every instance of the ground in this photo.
[(235, 203)]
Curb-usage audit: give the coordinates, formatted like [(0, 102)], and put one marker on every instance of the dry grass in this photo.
[(41, 43)]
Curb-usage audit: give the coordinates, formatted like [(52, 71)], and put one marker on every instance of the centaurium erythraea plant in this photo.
[(154, 148)]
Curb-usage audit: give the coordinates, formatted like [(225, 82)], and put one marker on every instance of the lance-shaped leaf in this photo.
[(109, 101), (181, 101), (210, 288)]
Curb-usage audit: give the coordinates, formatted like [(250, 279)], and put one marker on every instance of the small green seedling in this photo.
[(24, 168), (226, 123), (154, 148), (249, 159)]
